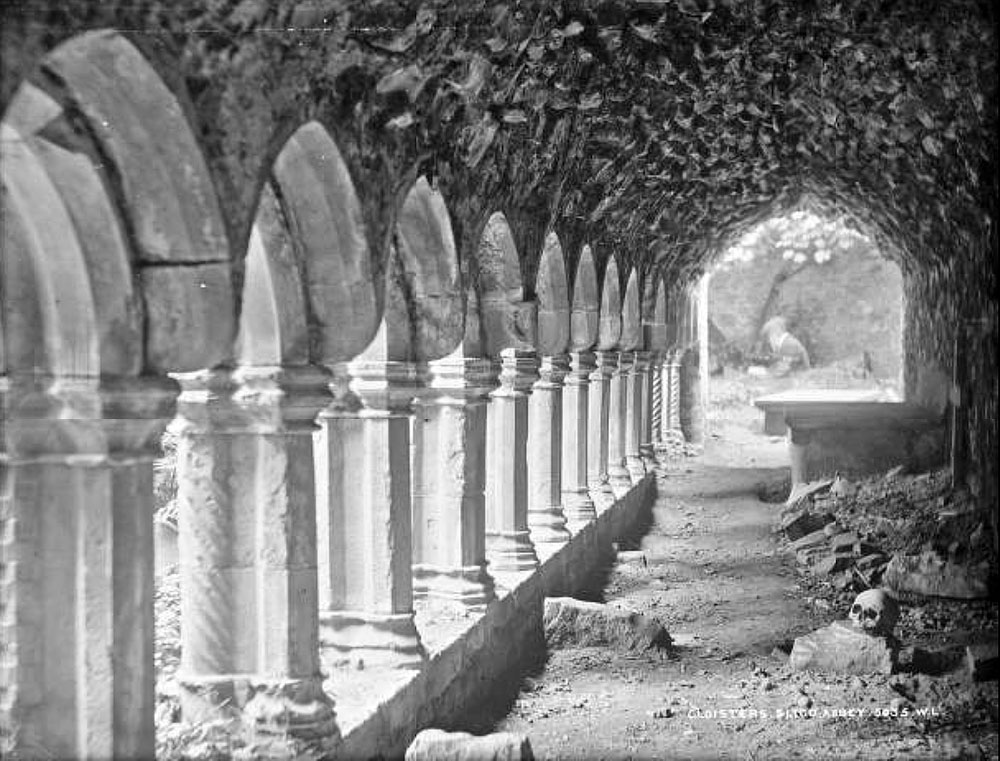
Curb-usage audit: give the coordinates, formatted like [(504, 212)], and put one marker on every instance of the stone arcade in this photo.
[(415, 287)]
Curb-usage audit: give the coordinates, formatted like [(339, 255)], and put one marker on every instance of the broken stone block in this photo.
[(438, 745), (568, 621), (982, 661), (797, 524), (841, 487), (931, 575), (832, 564), (842, 649), (844, 542), (802, 492), (813, 539)]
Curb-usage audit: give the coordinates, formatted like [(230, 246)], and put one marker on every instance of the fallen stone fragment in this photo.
[(832, 564), (930, 575), (844, 542), (842, 649), (801, 492), (813, 539), (568, 621), (797, 524), (632, 557), (982, 661), (438, 745), (841, 487)]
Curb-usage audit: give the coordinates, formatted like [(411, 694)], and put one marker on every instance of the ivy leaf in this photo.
[(483, 134), (932, 145), (590, 102), (572, 29), (410, 79), (402, 121)]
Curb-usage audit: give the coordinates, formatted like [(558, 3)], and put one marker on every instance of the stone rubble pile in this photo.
[(910, 534)]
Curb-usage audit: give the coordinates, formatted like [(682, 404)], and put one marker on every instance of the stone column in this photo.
[(577, 504), (509, 549), (449, 514), (546, 520), (618, 475), (633, 416), (673, 406), (646, 412), (76, 489), (136, 412), (366, 556), (247, 547), (656, 380), (597, 430)]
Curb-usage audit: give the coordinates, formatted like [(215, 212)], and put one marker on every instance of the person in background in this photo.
[(788, 352)]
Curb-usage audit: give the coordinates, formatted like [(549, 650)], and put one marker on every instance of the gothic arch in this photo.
[(164, 194), (324, 229), (495, 297), (553, 299), (631, 337), (610, 322), (585, 315), (425, 273), (654, 310)]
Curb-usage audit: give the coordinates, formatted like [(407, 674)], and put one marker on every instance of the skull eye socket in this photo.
[(855, 609), (871, 613)]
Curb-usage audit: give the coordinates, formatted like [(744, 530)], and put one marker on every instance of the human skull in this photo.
[(875, 612)]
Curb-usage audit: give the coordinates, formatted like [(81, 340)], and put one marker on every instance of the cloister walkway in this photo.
[(729, 595)]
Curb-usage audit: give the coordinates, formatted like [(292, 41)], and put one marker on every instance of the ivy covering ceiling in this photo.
[(673, 126)]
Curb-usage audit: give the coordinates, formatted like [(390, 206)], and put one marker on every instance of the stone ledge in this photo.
[(380, 712)]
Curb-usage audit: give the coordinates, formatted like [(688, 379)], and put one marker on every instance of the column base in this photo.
[(579, 509), (468, 588), (296, 707), (368, 640), (210, 698), (602, 495), (511, 557), (547, 529), (635, 467), (620, 480)]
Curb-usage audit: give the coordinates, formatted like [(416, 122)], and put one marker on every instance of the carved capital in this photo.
[(552, 371), (518, 371)]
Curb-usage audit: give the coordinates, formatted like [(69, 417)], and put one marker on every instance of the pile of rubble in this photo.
[(674, 446), (911, 534)]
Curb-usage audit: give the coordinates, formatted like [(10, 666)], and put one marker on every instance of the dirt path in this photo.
[(717, 578)]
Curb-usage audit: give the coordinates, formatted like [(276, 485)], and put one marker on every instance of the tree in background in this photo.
[(802, 240)]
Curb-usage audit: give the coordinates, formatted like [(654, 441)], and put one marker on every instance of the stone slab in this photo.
[(569, 621), (438, 745), (840, 648), (930, 575)]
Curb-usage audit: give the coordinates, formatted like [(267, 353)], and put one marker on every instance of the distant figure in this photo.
[(788, 351)]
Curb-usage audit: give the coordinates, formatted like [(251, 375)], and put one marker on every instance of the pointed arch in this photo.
[(321, 210), (655, 314), (498, 289), (631, 337), (553, 299), (428, 273), (610, 321), (273, 326), (585, 315), (50, 318), (163, 192)]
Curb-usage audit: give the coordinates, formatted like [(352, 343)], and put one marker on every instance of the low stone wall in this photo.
[(483, 663)]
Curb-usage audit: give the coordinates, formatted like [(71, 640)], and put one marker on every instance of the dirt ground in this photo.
[(733, 599)]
